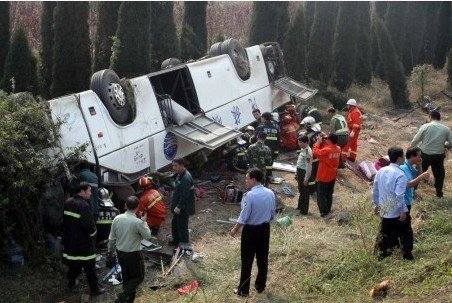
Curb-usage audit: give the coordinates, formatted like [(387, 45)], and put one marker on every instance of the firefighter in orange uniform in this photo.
[(152, 203), (289, 132), (354, 122)]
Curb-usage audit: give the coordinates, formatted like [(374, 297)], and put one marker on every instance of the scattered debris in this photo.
[(372, 140), (287, 190), (284, 167), (285, 221), (196, 257), (380, 290), (224, 222), (200, 192), (207, 210), (188, 288), (276, 180)]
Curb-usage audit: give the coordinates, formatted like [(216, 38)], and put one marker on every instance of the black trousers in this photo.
[(89, 267), (325, 192), (437, 164), (303, 198), (132, 266), (394, 232), (312, 182), (179, 227), (254, 242)]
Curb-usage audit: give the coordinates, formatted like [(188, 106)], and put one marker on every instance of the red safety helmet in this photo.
[(147, 181)]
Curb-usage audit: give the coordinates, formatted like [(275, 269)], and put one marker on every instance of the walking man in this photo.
[(328, 153), (79, 230), (435, 137), (388, 197), (258, 209), (354, 121), (304, 166), (126, 234), (183, 203), (259, 155), (412, 160)]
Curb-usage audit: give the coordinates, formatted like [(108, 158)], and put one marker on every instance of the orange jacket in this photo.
[(288, 137), (354, 119), (328, 155), (152, 203)]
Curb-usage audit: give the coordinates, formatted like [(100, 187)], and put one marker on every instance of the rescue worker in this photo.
[(257, 116), (248, 134), (272, 140), (338, 126), (151, 203), (86, 175), (259, 155), (289, 133), (234, 156), (354, 122), (107, 212), (79, 230), (290, 110), (328, 153), (311, 111), (313, 132)]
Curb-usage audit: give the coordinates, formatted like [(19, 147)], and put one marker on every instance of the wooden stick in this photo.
[(174, 264), (161, 264)]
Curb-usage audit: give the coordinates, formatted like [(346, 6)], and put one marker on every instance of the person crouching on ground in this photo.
[(328, 153), (127, 232), (151, 203), (258, 209)]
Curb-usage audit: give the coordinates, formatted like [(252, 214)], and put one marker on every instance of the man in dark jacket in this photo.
[(272, 131), (183, 203), (79, 230)]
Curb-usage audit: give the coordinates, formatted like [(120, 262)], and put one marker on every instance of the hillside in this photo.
[(315, 259)]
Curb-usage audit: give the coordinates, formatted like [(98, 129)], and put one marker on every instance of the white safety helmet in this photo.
[(308, 121), (351, 102), (241, 141), (249, 127), (104, 197), (275, 116), (316, 127)]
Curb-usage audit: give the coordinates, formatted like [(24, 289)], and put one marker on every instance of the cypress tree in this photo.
[(395, 23), (193, 40), (107, 23), (344, 47), (295, 46), (363, 70), (449, 69), (71, 52), (269, 22), (414, 28), (4, 34), (20, 65), (131, 46), (430, 32), (309, 16), (393, 68), (443, 35), (321, 41), (46, 52), (380, 11), (164, 43)]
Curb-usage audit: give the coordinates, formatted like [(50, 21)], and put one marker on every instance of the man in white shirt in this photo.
[(388, 197)]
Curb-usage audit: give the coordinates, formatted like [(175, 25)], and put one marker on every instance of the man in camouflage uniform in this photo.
[(258, 154), (338, 126), (271, 129)]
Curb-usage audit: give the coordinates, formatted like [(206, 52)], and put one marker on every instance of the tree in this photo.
[(381, 8), (269, 22), (321, 41), (309, 16), (106, 25), (131, 45), (20, 65), (419, 77), (414, 28), (363, 70), (46, 52), (4, 34), (449, 69), (393, 68), (395, 23), (380, 11), (430, 32), (164, 43), (443, 35), (295, 46), (193, 40), (344, 47), (71, 52)]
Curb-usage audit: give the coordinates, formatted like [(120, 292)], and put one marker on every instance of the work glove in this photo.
[(352, 134)]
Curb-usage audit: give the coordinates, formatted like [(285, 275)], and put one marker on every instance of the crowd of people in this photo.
[(321, 153)]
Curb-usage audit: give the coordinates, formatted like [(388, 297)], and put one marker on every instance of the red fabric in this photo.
[(328, 155), (157, 213), (288, 136)]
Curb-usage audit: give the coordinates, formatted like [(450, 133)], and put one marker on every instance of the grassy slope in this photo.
[(314, 260)]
